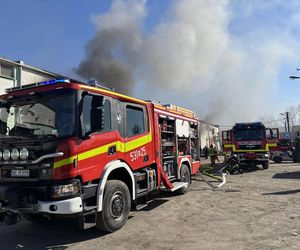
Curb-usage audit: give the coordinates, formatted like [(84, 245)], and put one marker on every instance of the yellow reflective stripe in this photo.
[(65, 161), (121, 147), (113, 93), (95, 151), (228, 146), (138, 142)]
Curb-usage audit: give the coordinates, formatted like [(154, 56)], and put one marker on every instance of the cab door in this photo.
[(272, 135), (226, 136), (97, 144), (138, 137)]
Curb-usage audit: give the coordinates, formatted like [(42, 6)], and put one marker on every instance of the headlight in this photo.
[(15, 154), (0, 155), (6, 154), (24, 153), (65, 190)]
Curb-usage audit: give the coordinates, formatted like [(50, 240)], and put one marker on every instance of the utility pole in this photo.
[(285, 127), (287, 123)]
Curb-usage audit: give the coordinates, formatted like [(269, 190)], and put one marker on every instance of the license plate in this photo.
[(20, 173)]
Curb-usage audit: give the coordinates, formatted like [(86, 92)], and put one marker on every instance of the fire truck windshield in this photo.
[(39, 116), (249, 134)]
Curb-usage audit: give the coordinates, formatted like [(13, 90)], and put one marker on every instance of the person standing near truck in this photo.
[(212, 154)]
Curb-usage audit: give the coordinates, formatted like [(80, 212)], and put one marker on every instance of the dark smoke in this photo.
[(102, 64), (189, 57), (111, 56)]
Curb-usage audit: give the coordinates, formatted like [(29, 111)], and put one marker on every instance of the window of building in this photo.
[(6, 70), (135, 122)]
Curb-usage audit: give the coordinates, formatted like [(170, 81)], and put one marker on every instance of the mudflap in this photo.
[(87, 221)]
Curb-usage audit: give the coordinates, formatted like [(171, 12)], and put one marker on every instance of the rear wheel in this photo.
[(265, 165), (277, 159), (116, 206), (185, 176), (296, 157)]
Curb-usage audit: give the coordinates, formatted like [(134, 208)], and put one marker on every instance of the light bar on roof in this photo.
[(32, 85)]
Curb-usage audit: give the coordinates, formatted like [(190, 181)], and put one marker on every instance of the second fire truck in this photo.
[(250, 142), (71, 149)]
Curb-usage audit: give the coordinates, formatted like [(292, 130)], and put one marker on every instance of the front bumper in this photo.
[(69, 206), (36, 200), (255, 158)]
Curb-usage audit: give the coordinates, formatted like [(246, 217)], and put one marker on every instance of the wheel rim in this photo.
[(117, 205), (185, 175)]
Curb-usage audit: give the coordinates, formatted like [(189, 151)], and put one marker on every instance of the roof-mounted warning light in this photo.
[(32, 85), (94, 83)]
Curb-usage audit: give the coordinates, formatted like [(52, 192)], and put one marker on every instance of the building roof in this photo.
[(22, 64)]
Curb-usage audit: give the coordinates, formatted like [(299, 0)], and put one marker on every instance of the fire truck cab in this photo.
[(71, 149), (250, 142)]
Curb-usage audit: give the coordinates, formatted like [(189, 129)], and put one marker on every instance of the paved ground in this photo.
[(258, 210)]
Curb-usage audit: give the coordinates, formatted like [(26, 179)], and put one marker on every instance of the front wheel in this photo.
[(265, 165), (116, 206), (185, 176)]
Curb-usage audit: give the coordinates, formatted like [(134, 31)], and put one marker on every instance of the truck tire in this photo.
[(35, 218), (185, 176), (296, 157), (116, 206), (277, 159), (265, 165)]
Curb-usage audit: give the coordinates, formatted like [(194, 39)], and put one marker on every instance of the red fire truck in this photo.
[(72, 149), (250, 142)]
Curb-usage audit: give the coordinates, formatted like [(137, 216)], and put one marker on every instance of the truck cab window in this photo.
[(95, 115), (135, 123)]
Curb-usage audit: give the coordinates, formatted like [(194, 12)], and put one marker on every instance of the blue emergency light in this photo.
[(32, 85)]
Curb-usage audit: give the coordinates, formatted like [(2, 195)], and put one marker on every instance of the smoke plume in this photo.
[(110, 54), (190, 57)]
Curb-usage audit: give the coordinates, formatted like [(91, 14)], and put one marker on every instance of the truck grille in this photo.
[(250, 147)]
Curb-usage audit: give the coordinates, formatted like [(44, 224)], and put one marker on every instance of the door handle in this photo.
[(112, 150), (146, 158)]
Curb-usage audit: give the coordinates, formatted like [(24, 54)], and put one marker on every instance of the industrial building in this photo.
[(209, 135), (13, 73)]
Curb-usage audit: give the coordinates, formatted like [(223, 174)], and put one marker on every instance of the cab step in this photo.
[(176, 185), (141, 206), (89, 209), (141, 202)]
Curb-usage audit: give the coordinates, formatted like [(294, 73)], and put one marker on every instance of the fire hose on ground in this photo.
[(230, 166)]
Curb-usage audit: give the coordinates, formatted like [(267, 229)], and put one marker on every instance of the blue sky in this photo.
[(53, 34), (261, 40)]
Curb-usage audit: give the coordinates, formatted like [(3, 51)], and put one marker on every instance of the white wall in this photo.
[(209, 134), (4, 84), (31, 76)]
